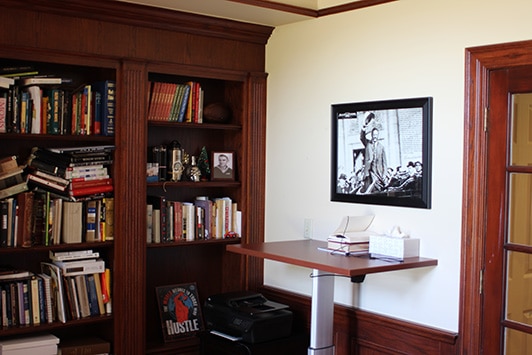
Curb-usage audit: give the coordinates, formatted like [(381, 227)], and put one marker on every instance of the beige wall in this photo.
[(404, 49)]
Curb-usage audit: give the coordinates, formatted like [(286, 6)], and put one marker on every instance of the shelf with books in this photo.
[(39, 219), (57, 99)]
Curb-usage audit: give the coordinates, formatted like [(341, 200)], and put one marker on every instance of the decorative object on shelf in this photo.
[(204, 164), (224, 168), (217, 112), (381, 152), (180, 310), (159, 156), (175, 161), (193, 173)]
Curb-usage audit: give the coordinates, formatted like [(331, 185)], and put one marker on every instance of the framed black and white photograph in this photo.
[(223, 166), (381, 152)]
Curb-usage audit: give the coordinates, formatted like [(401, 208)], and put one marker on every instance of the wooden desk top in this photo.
[(305, 253)]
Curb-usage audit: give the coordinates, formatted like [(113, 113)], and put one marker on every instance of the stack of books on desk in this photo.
[(351, 244)]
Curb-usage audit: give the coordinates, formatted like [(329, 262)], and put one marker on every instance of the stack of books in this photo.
[(72, 172), (12, 181), (352, 245), (84, 290)]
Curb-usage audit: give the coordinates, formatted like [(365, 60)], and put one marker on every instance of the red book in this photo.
[(25, 219), (91, 190), (77, 184), (178, 221)]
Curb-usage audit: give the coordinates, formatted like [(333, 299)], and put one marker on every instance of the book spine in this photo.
[(92, 190), (77, 184), (3, 112), (4, 221)]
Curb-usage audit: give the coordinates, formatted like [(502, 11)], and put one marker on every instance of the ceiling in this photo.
[(263, 12)]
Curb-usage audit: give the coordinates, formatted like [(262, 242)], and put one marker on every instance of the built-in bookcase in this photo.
[(134, 46), (204, 261)]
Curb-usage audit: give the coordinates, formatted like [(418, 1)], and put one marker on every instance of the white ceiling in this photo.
[(235, 10)]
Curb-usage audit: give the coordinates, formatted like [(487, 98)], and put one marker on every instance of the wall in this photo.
[(403, 49)]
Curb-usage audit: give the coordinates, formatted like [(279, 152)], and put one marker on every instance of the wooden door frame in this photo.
[(479, 62)]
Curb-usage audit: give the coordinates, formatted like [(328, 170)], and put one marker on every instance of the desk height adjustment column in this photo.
[(322, 314)]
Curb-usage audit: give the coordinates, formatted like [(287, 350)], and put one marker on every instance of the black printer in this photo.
[(247, 315)]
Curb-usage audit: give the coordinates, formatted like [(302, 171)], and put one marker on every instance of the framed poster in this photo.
[(381, 152), (180, 311)]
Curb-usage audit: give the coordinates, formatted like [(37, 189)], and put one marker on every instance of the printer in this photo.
[(248, 316)]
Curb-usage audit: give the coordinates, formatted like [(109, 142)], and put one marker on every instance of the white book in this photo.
[(40, 81), (58, 292), (71, 253), (81, 267), (94, 255), (6, 82)]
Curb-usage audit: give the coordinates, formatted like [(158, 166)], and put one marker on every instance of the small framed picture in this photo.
[(223, 166), (180, 310)]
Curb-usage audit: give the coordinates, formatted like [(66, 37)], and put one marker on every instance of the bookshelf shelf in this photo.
[(207, 242), (198, 126), (195, 185), (55, 327), (59, 247)]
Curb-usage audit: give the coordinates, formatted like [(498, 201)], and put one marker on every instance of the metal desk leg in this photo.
[(322, 314)]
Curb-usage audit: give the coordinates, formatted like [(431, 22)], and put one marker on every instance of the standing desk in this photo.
[(305, 253)]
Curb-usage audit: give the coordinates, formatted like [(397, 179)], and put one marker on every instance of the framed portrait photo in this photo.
[(381, 152), (223, 165)]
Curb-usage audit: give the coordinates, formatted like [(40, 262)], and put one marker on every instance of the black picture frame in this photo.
[(399, 173), (229, 172)]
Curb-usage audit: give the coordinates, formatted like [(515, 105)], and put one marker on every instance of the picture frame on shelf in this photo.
[(223, 165), (381, 152), (180, 310)]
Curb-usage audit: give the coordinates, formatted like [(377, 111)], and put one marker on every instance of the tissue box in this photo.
[(400, 248)]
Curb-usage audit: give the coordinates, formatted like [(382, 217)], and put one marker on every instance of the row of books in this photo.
[(41, 105), (35, 218), (176, 102), (174, 221), (62, 291)]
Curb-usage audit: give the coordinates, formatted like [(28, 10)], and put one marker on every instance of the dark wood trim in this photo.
[(351, 6), (298, 10), (361, 332), (147, 16), (479, 62)]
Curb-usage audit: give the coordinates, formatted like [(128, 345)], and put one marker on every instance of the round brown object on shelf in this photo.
[(217, 113)]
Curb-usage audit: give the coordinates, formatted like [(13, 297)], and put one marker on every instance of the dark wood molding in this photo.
[(351, 6), (361, 332), (147, 16), (479, 62), (298, 10)]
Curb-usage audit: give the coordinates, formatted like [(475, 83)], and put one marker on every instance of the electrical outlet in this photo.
[(307, 228)]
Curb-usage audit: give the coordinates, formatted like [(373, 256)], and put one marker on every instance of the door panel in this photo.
[(507, 306)]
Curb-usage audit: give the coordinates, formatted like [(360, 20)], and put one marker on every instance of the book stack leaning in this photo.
[(71, 194)]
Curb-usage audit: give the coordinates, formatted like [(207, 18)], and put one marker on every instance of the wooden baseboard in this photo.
[(366, 333)]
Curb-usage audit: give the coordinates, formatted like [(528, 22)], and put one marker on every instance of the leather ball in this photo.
[(216, 113)]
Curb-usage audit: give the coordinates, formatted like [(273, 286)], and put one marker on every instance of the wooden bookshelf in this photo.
[(134, 44)]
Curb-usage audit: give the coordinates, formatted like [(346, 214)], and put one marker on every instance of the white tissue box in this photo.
[(400, 248)]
